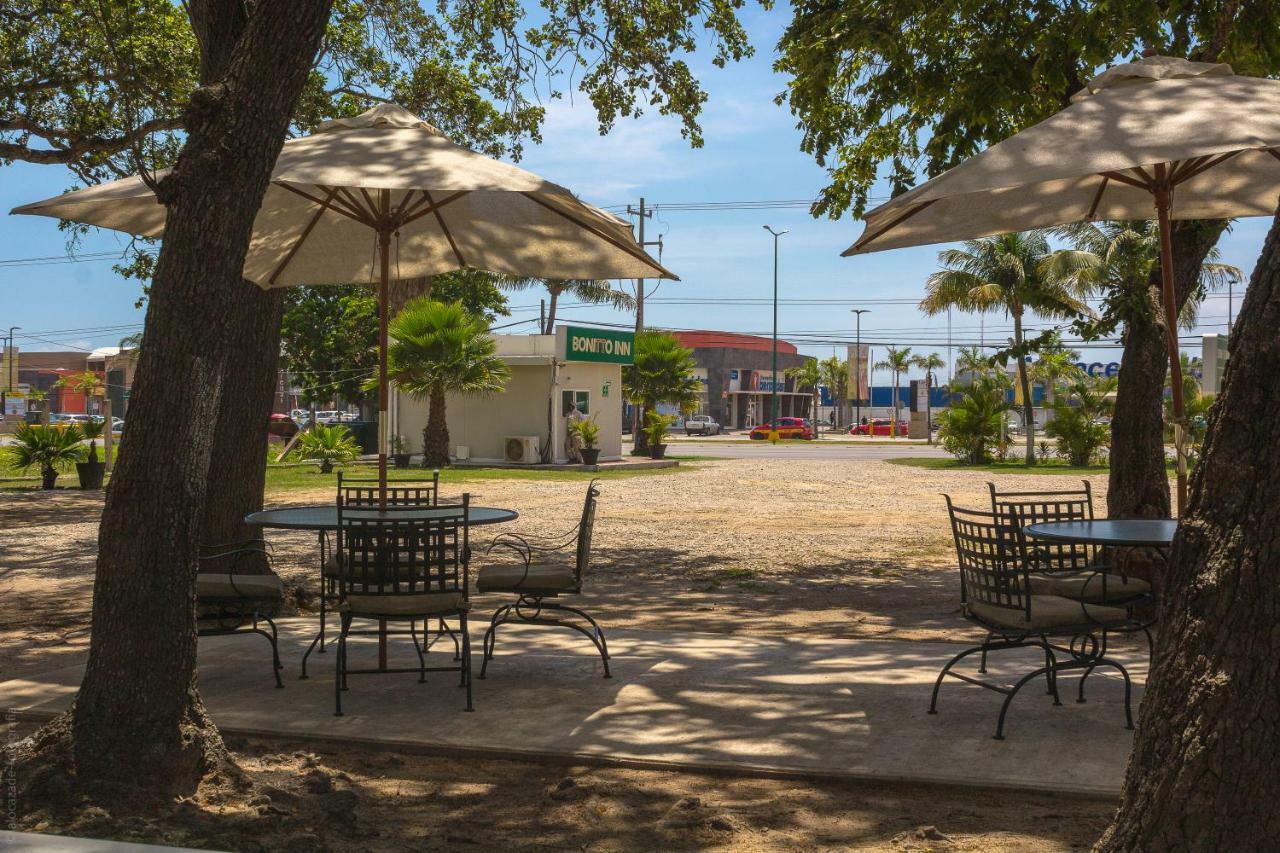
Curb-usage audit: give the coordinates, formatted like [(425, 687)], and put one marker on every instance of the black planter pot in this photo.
[(590, 455), (48, 479), (91, 474), (326, 466), (657, 451), (400, 460)]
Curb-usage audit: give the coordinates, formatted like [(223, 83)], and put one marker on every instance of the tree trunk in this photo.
[(1024, 383), (1138, 484), (1202, 774), (553, 297), (138, 720), (435, 437), (238, 467)]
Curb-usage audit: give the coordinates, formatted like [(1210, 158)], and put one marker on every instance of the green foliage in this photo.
[(480, 292), (1055, 365), (588, 290), (329, 341), (884, 88), (1075, 421), (897, 361), (85, 382), (49, 448), (662, 373), (92, 430), (588, 430), (656, 427), (970, 428), (442, 346), (330, 445)]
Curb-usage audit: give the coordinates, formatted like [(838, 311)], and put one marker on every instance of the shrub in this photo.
[(588, 430), (49, 448), (1075, 423), (656, 427), (970, 428), (328, 445)]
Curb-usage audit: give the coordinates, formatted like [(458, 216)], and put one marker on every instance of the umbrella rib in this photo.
[(893, 223), (1274, 152), (352, 210), (1207, 164), (408, 215), (333, 205), (435, 208), (404, 202), (638, 254), (1097, 198), (370, 216), (306, 232), (418, 214), (1125, 179)]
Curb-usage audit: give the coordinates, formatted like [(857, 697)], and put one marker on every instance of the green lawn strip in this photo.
[(1008, 467), (293, 478), (852, 442)]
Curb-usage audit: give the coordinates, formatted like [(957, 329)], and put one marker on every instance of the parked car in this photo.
[(879, 426), (282, 425), (786, 427), (701, 425)]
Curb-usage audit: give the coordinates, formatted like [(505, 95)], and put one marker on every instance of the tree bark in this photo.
[(1202, 773), (1138, 481), (138, 719), (553, 296), (435, 436)]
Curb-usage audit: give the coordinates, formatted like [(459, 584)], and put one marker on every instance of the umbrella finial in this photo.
[(1150, 69), (383, 115)]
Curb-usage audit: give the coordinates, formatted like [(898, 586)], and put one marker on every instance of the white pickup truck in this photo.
[(701, 425)]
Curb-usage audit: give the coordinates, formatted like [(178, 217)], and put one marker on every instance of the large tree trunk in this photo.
[(138, 719), (435, 437), (1139, 482), (1202, 775)]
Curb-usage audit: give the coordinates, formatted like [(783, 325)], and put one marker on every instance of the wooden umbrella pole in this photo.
[(384, 251), (1163, 206)]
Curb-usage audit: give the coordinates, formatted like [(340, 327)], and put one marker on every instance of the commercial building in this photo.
[(576, 368), (738, 380)]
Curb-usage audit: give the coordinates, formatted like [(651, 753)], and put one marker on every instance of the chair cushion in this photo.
[(221, 585), (406, 604), (1088, 586), (1048, 612), (510, 577)]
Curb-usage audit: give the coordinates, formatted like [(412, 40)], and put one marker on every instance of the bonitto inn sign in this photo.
[(600, 345)]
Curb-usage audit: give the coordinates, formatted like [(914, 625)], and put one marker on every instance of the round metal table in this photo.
[(1116, 532)]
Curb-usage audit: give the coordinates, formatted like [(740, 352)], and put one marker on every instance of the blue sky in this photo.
[(751, 153)]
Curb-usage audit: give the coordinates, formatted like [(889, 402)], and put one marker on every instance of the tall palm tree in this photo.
[(897, 361), (1056, 365), (662, 373), (808, 375), (1014, 273), (589, 290), (440, 348), (971, 361), (835, 375), (930, 364)]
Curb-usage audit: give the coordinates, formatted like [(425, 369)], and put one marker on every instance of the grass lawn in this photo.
[(292, 477)]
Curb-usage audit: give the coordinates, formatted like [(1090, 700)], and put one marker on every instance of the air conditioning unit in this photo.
[(522, 449)]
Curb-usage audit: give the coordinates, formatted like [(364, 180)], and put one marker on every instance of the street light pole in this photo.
[(773, 395), (857, 362)]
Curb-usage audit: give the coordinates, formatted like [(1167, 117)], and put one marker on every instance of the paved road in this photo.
[(812, 451)]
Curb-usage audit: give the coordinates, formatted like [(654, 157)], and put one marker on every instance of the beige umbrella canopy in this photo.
[(1182, 140), (386, 184)]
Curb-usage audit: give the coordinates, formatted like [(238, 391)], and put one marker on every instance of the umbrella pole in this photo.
[(1163, 205), (384, 249)]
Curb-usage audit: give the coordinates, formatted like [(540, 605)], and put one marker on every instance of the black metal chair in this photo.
[(231, 601), (996, 594), (538, 586), (399, 565), (364, 490)]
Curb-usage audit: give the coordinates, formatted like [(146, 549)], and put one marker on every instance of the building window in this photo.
[(580, 400)]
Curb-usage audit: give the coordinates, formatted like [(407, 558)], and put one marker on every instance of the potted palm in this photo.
[(399, 451), (329, 445), (51, 449), (92, 470), (656, 427), (589, 431)]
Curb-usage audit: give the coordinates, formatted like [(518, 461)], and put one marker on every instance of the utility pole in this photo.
[(773, 395), (857, 362), (8, 383), (644, 213)]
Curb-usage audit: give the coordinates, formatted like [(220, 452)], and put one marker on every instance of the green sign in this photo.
[(604, 345)]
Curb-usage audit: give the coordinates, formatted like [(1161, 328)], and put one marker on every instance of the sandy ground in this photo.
[(832, 549)]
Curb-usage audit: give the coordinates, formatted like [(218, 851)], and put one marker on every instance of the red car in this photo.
[(282, 425), (787, 428), (879, 426)]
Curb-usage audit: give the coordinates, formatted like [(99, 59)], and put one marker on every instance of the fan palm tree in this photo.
[(49, 448), (662, 373), (440, 348), (808, 375), (930, 364), (1014, 273), (897, 361), (589, 290), (835, 375)]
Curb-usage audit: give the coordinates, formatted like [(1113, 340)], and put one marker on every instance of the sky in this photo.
[(752, 153)]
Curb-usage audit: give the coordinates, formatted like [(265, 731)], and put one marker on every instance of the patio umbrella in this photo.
[(339, 197), (1187, 140)]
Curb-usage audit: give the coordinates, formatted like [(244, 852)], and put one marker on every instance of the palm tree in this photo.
[(835, 375), (49, 448), (971, 361), (1012, 273), (1055, 364), (591, 291), (662, 373), (929, 364), (808, 375), (897, 361), (440, 348), (329, 445)]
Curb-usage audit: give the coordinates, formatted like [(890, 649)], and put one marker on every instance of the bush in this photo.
[(328, 445), (1075, 424), (970, 428)]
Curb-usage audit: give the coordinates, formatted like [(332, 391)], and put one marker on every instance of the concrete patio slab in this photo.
[(709, 702)]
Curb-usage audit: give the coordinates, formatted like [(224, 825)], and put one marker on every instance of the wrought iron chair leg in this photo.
[(491, 637), (1008, 700), (466, 660), (1128, 690), (340, 666), (276, 666), (422, 661), (457, 648), (324, 594), (1080, 700), (1151, 646), (982, 664), (1051, 672), (597, 638), (937, 685)]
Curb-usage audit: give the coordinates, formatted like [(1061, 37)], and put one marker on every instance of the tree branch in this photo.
[(62, 155)]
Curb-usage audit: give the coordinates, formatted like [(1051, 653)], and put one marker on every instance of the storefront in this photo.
[(577, 368)]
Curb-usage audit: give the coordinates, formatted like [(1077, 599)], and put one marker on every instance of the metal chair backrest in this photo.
[(586, 525), (991, 558), (365, 491), (1039, 507), (400, 550)]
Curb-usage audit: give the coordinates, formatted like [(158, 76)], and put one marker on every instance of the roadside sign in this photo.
[(609, 346)]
